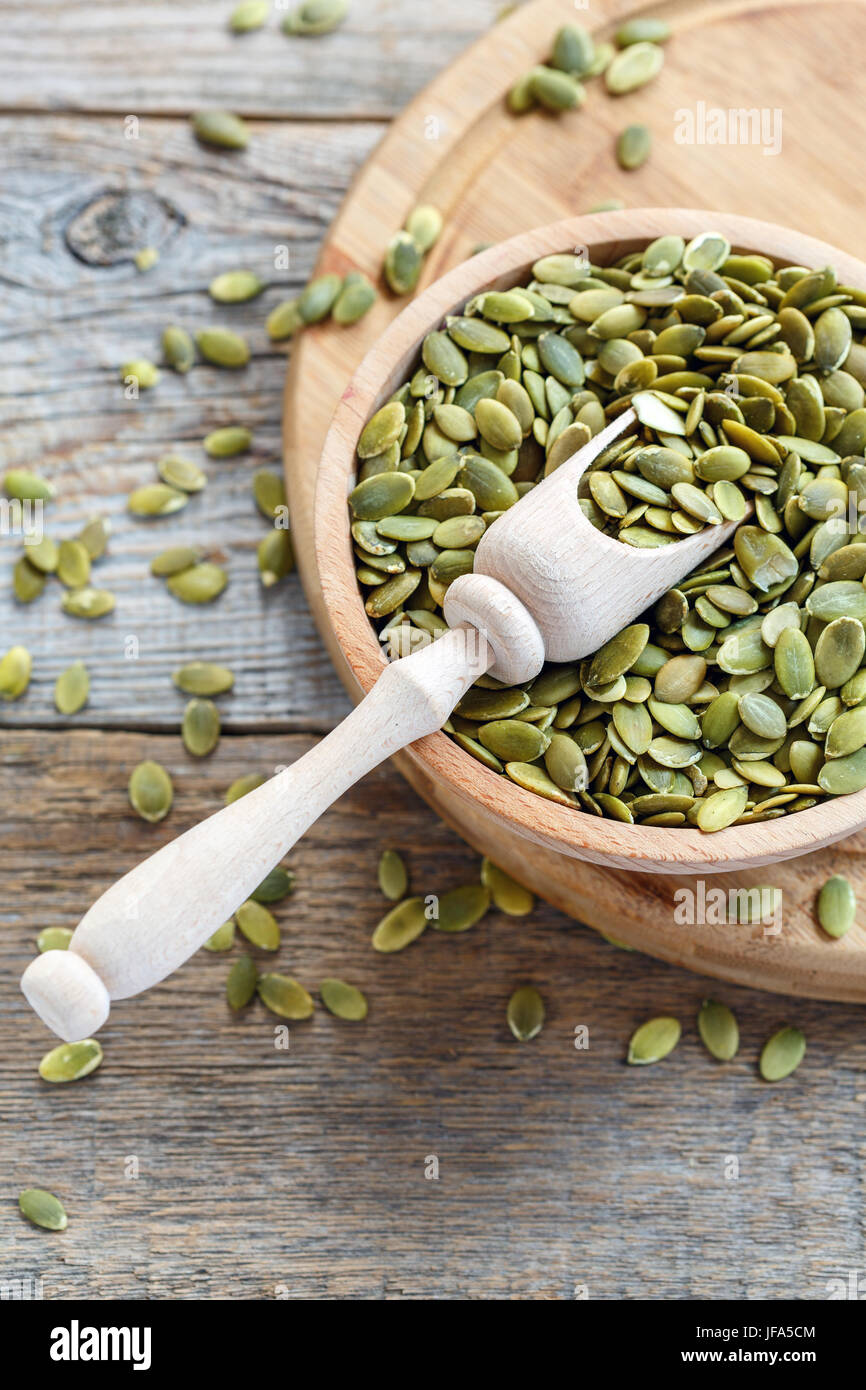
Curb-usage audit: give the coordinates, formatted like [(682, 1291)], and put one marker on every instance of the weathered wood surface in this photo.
[(168, 57), (260, 1168)]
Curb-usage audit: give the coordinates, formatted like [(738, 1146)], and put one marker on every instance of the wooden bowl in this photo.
[(459, 787)]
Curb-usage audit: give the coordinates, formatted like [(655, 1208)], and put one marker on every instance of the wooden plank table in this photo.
[(202, 1161)]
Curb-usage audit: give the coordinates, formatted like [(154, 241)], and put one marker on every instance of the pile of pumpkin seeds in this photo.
[(741, 696)]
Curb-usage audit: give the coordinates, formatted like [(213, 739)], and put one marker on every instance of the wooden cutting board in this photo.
[(493, 175)]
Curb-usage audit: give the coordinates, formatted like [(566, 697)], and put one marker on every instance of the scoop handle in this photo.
[(160, 913)]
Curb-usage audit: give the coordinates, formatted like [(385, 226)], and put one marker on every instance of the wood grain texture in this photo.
[(305, 1169), (165, 58)]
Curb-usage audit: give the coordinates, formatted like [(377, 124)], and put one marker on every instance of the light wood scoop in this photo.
[(546, 585)]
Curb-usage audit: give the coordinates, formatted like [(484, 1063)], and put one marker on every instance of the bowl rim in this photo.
[(569, 831)]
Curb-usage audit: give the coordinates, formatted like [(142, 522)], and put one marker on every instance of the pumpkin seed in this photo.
[(180, 473), (242, 785), (276, 557), (462, 908), (342, 1000), (258, 925), (719, 1031), (228, 441), (633, 67), (506, 893), (150, 791), (178, 347), (198, 584), (403, 262), (203, 678), (633, 146), (87, 602), (653, 1041), (72, 688), (837, 906), (525, 1013), (275, 886), (401, 926), (315, 17), (782, 1054), (27, 582), (355, 299), (284, 321), (235, 286), (53, 939), (15, 668), (393, 878), (222, 347), (43, 1209), (24, 486), (141, 373), (155, 499), (200, 729), (71, 1061), (283, 996), (221, 128), (223, 938), (241, 983), (249, 14), (175, 559)]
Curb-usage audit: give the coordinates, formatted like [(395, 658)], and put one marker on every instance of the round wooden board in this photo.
[(493, 175)]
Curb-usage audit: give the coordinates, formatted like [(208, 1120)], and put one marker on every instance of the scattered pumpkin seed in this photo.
[(203, 678), (222, 347), (653, 1040), (782, 1054), (223, 938), (284, 997), (342, 1000), (71, 1061), (150, 791), (258, 925), (178, 348), (314, 17), (718, 1029), (275, 886), (228, 441), (507, 894), (401, 926), (525, 1013), (242, 785), (54, 939), (199, 584), (837, 906), (221, 128), (15, 669), (241, 983), (72, 688), (235, 286), (43, 1209), (200, 729), (633, 146), (393, 878)]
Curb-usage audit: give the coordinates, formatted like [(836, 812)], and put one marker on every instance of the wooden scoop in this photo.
[(546, 586)]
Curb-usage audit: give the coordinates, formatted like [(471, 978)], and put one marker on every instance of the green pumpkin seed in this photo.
[(283, 996), (653, 1041), (249, 14), (355, 299), (506, 893), (241, 983), (25, 486), (221, 128), (782, 1054), (403, 262), (555, 90), (72, 688), (200, 729), (53, 939), (633, 67), (178, 347), (222, 347), (242, 785), (180, 473), (719, 1031), (223, 938), (228, 441), (203, 678), (156, 499), (87, 602), (424, 225), (140, 373), (837, 906), (525, 1013), (633, 146), (462, 908), (275, 556), (175, 559), (150, 791), (318, 298), (15, 668), (43, 1209), (199, 584), (258, 925), (284, 321), (315, 17), (393, 878), (275, 886), (71, 1061), (343, 1001), (401, 926), (27, 582), (235, 286)]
